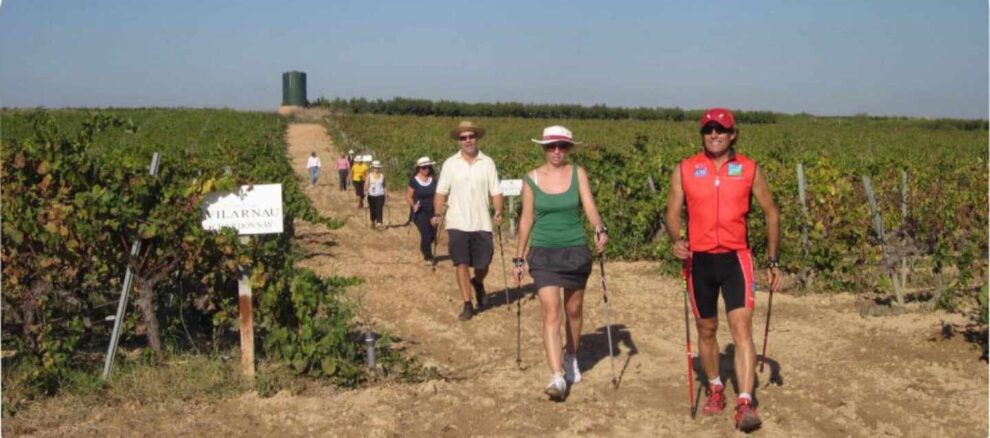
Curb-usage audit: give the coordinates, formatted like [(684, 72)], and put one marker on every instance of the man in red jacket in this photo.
[(717, 185)]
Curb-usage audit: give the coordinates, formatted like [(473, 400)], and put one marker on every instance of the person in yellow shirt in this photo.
[(358, 173)]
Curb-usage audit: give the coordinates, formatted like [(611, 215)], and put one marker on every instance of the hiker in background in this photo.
[(357, 179), (350, 157), (313, 164), (419, 196), (343, 171), (468, 178), (717, 184), (374, 186), (559, 260)]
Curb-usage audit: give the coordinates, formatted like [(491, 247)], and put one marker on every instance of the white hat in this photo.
[(424, 161), (556, 134), (350, 151), (376, 163)]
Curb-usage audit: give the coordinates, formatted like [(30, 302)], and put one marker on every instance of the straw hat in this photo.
[(556, 134), (376, 163), (424, 161), (465, 126)]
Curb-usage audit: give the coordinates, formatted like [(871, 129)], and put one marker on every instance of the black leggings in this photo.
[(342, 174), (427, 231), (375, 204)]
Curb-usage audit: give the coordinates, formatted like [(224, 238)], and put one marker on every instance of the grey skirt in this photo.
[(568, 267)]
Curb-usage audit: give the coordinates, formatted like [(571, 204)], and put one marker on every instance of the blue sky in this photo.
[(916, 58)]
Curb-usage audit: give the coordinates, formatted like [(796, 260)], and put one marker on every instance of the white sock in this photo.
[(745, 395), (715, 381)]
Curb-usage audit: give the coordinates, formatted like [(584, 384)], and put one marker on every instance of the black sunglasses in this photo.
[(562, 146), (715, 127), (467, 137)]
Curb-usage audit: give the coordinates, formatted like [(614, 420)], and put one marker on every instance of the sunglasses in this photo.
[(719, 129), (467, 137), (562, 146)]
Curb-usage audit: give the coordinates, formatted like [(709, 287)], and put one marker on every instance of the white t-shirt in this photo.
[(313, 162), (376, 186), (468, 187)]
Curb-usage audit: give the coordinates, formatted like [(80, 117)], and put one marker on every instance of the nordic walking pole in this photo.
[(412, 213), (608, 326), (505, 278), (766, 330), (519, 333), (518, 278), (687, 331), (436, 237)]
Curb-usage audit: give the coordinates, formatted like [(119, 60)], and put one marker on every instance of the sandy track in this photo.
[(840, 373), (836, 373)]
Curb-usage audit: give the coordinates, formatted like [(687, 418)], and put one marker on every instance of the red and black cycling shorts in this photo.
[(728, 272)]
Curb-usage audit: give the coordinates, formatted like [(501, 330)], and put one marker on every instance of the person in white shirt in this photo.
[(313, 164), (374, 186), (468, 178)]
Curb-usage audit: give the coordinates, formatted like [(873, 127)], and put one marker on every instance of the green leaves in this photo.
[(946, 169), (76, 195)]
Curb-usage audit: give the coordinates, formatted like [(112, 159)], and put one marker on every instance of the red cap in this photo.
[(721, 116)]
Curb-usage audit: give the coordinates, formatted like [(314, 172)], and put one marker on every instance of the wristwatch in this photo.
[(773, 262), (602, 229), (518, 262)]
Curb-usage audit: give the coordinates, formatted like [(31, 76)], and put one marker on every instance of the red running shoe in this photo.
[(747, 420), (716, 400)]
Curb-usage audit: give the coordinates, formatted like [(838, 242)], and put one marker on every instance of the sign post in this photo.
[(251, 210), (245, 317), (510, 189)]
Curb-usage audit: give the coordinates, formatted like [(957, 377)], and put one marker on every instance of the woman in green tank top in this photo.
[(553, 197)]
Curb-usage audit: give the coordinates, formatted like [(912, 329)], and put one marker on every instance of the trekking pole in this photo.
[(687, 331), (519, 333), (766, 330), (436, 238), (501, 252), (412, 213), (518, 278), (608, 326)]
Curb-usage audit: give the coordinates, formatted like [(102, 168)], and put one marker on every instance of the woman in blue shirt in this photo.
[(419, 196)]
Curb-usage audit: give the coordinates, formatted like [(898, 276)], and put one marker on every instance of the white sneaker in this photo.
[(571, 371), (557, 387)]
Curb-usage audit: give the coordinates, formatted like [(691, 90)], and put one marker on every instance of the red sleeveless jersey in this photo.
[(718, 201)]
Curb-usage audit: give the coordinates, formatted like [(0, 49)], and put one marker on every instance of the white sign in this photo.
[(511, 187), (254, 209)]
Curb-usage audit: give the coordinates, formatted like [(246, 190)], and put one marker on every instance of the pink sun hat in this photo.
[(556, 134)]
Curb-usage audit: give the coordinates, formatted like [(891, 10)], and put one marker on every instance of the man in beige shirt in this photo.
[(468, 178)]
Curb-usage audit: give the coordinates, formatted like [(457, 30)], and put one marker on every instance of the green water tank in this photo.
[(294, 88)]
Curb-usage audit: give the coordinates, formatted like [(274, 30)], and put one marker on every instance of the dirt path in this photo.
[(840, 373), (836, 373)]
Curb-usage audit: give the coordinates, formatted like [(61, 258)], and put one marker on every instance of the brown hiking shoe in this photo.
[(467, 313)]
